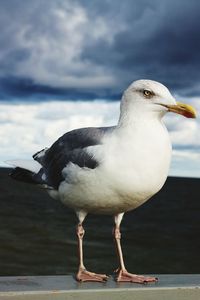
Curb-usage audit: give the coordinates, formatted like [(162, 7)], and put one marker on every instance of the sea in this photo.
[(38, 234)]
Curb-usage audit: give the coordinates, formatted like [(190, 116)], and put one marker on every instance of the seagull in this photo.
[(110, 170)]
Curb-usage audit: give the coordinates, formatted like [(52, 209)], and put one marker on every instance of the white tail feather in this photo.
[(30, 165)]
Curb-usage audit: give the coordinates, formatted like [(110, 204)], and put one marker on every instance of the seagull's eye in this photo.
[(147, 93)]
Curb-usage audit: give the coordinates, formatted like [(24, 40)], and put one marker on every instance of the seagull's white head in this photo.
[(152, 96)]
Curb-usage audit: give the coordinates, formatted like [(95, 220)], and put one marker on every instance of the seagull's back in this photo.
[(69, 148)]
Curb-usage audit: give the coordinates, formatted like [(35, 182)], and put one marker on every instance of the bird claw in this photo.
[(125, 276), (83, 275)]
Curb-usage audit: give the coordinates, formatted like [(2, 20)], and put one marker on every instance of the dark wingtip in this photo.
[(21, 174)]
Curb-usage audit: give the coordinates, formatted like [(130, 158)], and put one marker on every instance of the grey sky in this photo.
[(88, 49)]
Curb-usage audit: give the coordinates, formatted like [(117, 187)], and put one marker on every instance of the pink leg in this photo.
[(122, 274), (83, 274)]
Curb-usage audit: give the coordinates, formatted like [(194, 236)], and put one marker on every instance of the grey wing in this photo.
[(71, 147)]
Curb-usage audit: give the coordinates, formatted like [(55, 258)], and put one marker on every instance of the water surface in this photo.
[(37, 233)]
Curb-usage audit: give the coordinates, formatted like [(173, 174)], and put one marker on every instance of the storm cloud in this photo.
[(94, 49)]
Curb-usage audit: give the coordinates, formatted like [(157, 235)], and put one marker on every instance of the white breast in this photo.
[(140, 161)]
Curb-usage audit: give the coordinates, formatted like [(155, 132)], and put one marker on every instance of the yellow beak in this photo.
[(182, 109)]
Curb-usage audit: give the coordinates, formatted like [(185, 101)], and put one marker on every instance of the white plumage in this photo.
[(133, 167), (134, 158)]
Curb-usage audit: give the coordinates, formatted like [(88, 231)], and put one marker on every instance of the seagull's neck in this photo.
[(135, 117)]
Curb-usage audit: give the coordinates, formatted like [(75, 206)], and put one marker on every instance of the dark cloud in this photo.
[(164, 45), (96, 48), (23, 88)]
